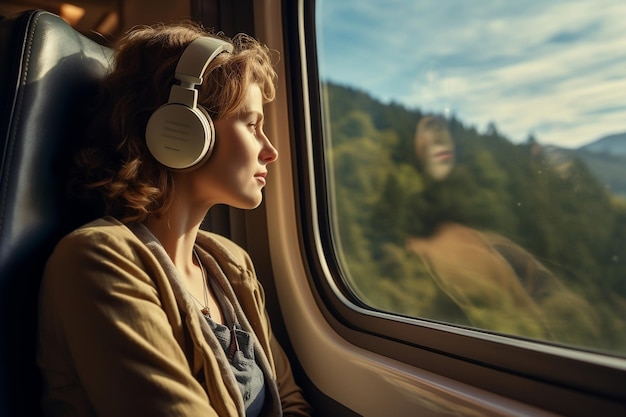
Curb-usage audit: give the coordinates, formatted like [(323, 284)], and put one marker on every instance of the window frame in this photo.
[(554, 378)]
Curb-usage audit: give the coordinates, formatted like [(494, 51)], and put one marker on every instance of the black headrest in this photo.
[(48, 73)]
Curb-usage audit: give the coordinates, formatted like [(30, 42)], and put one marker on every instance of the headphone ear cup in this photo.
[(210, 133), (179, 136)]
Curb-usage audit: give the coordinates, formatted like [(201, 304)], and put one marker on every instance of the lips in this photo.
[(444, 155), (261, 177)]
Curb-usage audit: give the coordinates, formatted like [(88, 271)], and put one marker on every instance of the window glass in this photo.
[(476, 156)]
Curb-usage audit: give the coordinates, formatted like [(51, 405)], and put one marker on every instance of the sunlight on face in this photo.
[(236, 172)]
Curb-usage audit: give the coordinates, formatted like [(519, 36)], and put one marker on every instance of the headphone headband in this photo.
[(197, 56)]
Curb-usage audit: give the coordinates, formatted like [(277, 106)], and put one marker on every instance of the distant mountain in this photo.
[(606, 158), (609, 169), (612, 144)]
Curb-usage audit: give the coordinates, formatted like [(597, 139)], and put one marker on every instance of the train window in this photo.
[(476, 162)]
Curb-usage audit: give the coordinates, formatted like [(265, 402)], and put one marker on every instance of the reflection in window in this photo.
[(479, 162)]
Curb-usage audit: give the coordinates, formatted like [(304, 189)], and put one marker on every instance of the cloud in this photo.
[(555, 70)]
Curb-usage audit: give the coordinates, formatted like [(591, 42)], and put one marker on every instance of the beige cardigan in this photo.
[(119, 335)]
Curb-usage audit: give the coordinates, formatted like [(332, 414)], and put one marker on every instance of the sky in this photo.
[(555, 69)]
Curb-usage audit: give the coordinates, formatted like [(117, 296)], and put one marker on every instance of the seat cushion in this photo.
[(48, 74)]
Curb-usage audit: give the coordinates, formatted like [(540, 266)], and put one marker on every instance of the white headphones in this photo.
[(180, 134)]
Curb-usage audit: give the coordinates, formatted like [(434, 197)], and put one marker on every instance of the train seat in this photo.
[(48, 71)]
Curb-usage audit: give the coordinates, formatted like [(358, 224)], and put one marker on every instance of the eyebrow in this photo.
[(247, 113)]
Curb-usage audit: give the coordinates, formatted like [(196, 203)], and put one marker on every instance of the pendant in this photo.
[(234, 343), (205, 311)]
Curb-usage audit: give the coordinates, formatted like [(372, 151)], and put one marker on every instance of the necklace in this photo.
[(205, 291)]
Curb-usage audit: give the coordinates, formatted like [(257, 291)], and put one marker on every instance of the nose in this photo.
[(443, 138), (268, 153)]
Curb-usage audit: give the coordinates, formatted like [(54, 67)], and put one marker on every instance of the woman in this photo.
[(497, 284), (142, 312)]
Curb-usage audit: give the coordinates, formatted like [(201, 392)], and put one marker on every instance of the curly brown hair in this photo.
[(115, 166)]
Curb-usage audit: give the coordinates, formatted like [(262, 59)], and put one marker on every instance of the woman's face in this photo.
[(236, 172), (438, 158)]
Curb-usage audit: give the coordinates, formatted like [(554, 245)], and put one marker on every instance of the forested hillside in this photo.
[(559, 213)]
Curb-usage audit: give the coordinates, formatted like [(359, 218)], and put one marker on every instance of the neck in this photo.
[(177, 231)]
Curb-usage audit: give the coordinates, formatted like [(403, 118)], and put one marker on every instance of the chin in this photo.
[(249, 204)]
